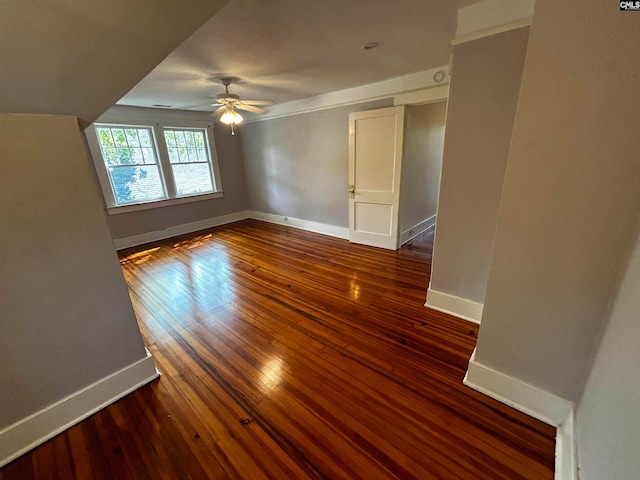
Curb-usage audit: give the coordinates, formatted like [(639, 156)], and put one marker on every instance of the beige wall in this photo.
[(298, 166), (66, 318), (78, 58), (571, 197), (482, 103), (607, 416), (232, 174), (422, 163)]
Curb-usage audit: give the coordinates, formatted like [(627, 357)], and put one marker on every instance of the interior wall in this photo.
[(607, 416), (298, 166), (571, 197), (483, 96), (232, 174), (422, 163), (78, 58), (67, 320)]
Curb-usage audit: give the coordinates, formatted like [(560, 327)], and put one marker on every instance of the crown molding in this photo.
[(365, 93), (525, 22), (486, 15)]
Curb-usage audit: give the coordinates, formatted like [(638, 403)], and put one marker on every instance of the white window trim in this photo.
[(164, 164)]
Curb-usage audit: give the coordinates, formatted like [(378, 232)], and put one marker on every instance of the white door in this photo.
[(375, 161)]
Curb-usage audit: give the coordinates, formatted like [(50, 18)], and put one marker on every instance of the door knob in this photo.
[(352, 191)]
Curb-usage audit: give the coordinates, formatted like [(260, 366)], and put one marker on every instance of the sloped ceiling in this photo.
[(290, 49), (78, 57)]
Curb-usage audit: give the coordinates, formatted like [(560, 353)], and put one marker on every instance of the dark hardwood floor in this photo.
[(286, 354)]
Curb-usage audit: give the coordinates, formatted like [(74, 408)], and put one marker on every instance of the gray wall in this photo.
[(482, 104), (571, 197), (298, 166), (607, 416), (66, 318), (79, 58), (232, 175), (422, 163)]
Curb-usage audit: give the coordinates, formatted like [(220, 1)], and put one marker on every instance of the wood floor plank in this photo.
[(287, 354)]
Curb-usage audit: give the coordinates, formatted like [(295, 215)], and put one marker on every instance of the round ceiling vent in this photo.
[(438, 77)]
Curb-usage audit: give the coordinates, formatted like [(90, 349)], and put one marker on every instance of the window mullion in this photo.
[(163, 160), (214, 166)]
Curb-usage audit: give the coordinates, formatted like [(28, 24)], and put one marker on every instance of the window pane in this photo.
[(180, 140), (192, 178), (136, 155), (182, 154), (104, 136), (136, 184), (132, 137), (170, 138), (124, 156), (129, 156), (145, 138), (173, 155), (190, 141), (110, 156), (121, 146), (149, 157), (185, 146), (119, 137)]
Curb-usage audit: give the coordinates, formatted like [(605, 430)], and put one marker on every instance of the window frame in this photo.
[(206, 162), (164, 164)]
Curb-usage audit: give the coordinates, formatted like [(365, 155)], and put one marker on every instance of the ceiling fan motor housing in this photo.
[(227, 97)]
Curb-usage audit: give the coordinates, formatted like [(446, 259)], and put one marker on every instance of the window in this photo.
[(144, 166), (132, 162), (190, 160)]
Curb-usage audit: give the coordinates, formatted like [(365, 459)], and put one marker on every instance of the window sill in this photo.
[(116, 210)]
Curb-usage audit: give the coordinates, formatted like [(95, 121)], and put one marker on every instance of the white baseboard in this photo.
[(148, 237), (183, 229), (417, 229), (39, 427), (567, 449), (522, 396), (323, 228), (456, 306)]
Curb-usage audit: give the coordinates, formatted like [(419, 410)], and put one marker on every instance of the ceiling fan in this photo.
[(229, 103)]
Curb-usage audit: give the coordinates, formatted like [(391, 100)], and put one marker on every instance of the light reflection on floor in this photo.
[(192, 242), (193, 285), (271, 375), (354, 287), (139, 257)]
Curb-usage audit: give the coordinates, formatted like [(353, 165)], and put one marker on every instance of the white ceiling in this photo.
[(283, 50)]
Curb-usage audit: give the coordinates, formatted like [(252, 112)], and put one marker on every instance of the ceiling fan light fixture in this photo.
[(231, 117)]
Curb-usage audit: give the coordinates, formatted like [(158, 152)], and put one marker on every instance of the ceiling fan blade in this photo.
[(220, 109), (250, 108), (257, 102), (186, 107)]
